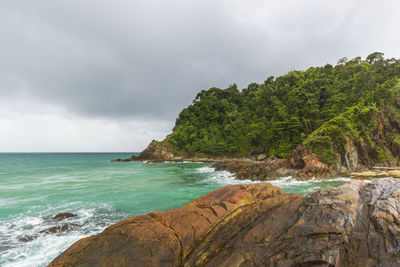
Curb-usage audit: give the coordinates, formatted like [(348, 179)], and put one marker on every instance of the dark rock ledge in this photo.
[(356, 224)]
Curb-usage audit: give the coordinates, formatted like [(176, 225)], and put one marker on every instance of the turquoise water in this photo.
[(36, 186)]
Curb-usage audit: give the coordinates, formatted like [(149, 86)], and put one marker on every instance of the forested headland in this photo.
[(321, 107)]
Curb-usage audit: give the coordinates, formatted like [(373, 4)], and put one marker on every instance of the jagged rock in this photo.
[(132, 158), (303, 164), (268, 169), (351, 156), (155, 152), (60, 217), (356, 224), (63, 216), (308, 162), (27, 238), (57, 229), (52, 230)]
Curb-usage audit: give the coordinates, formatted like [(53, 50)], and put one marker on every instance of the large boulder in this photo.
[(356, 224), (309, 163)]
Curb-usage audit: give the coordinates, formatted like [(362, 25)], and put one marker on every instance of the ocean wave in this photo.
[(290, 181), (14, 252), (222, 177), (225, 178), (206, 169)]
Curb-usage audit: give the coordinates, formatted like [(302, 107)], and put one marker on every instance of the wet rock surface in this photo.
[(356, 224), (63, 216), (58, 229), (54, 229)]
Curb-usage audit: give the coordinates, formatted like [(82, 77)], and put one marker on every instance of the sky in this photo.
[(106, 76)]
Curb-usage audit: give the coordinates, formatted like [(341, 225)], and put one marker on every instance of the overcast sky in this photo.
[(112, 75)]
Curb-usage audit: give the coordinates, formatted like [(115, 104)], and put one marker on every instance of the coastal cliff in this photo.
[(356, 224)]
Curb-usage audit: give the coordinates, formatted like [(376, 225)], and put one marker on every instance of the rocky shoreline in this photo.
[(302, 165), (356, 224)]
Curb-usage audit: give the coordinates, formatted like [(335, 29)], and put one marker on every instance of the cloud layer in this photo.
[(136, 64)]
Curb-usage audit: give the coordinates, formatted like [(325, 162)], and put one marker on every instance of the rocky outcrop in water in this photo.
[(63, 216), (54, 229), (356, 224), (269, 169), (302, 165), (155, 152)]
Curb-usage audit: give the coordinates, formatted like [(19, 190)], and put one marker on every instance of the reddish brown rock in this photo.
[(303, 164), (269, 169), (167, 238), (308, 163), (357, 224)]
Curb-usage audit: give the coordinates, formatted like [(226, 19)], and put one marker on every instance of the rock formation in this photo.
[(356, 224), (54, 229), (303, 164), (265, 170), (63, 216), (155, 152)]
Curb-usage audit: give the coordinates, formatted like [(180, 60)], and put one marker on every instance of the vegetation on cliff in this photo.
[(322, 107)]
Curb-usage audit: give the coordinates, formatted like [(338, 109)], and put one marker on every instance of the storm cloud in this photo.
[(135, 64)]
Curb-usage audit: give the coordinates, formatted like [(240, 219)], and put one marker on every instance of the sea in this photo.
[(34, 187)]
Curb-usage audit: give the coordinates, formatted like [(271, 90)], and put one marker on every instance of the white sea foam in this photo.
[(206, 169), (22, 255), (290, 181), (40, 251), (180, 162), (222, 177), (225, 178), (341, 179)]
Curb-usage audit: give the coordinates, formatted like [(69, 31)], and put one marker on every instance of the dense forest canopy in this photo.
[(276, 116)]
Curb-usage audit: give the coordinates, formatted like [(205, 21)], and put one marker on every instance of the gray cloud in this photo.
[(134, 60)]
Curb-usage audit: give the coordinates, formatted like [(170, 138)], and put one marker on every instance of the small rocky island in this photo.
[(356, 224)]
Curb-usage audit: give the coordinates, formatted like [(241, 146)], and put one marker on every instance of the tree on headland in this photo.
[(374, 57)]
